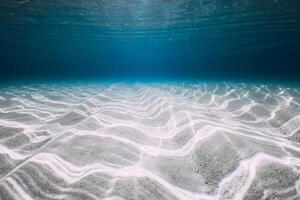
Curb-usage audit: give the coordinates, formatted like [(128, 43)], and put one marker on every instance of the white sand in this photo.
[(149, 141)]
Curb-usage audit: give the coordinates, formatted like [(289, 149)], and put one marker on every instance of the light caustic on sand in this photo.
[(149, 141)]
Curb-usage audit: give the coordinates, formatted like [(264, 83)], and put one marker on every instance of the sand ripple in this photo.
[(149, 141)]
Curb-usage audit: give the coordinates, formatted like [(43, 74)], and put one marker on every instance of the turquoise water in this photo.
[(143, 39)]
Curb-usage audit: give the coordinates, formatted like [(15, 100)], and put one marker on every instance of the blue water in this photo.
[(145, 40)]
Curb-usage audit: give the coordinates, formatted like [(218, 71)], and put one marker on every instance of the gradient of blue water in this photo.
[(144, 40)]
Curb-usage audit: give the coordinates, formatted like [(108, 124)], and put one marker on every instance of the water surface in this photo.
[(139, 39)]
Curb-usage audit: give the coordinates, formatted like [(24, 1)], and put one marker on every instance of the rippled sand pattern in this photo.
[(149, 141)]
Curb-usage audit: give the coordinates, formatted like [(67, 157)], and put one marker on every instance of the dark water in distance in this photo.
[(150, 39)]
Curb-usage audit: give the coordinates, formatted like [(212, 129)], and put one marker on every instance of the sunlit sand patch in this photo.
[(149, 141)]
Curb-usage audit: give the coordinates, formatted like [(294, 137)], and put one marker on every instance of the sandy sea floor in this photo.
[(149, 141)]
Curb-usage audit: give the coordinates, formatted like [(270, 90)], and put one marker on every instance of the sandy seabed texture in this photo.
[(81, 141)]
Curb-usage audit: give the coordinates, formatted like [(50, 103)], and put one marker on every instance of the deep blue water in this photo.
[(150, 39)]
